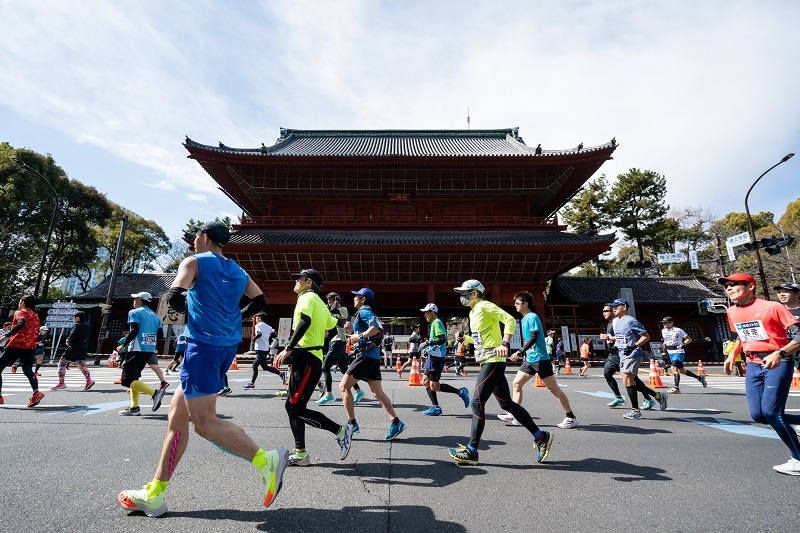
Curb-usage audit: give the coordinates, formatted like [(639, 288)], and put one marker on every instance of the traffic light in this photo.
[(766, 242), (638, 264)]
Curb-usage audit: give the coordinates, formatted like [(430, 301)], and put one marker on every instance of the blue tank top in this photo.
[(213, 302)]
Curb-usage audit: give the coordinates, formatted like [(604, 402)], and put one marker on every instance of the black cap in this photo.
[(788, 286), (217, 232), (667, 319), (311, 274)]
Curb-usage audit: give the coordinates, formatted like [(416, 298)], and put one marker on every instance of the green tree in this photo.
[(144, 242), (587, 213)]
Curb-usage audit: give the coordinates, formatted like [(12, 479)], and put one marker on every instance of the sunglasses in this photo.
[(734, 283), (606, 310)]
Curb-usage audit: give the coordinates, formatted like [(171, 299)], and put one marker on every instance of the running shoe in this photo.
[(463, 393), (543, 446), (89, 384), (505, 417), (2, 401), (34, 400), (166, 372), (790, 467), (616, 401), (446, 369), (568, 423), (296, 460), (674, 390), (345, 440), (13, 369), (702, 379), (513, 422), (157, 397), (394, 431), (137, 500), (433, 410), (328, 398), (249, 386), (662, 400), (463, 373), (38, 375), (400, 373), (360, 394), (648, 404), (164, 384), (320, 387), (225, 392), (58, 386), (463, 455), (356, 429), (633, 414), (272, 473), (130, 411)]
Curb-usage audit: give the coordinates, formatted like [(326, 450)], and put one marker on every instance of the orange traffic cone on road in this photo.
[(234, 365), (700, 370), (399, 366), (796, 379), (567, 368), (413, 379), (537, 382), (655, 379)]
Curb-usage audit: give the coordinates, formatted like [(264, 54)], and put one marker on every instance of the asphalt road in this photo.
[(701, 465)]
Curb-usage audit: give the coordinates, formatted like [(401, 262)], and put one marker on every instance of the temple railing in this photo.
[(398, 222)]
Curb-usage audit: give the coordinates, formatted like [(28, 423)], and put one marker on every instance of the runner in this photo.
[(762, 327), (303, 354), (180, 349), (337, 353), (585, 350), (491, 350), (537, 361), (365, 335), (434, 364), (413, 349), (674, 341), (41, 340), (611, 365), (22, 345), (261, 345), (213, 333), (77, 348)]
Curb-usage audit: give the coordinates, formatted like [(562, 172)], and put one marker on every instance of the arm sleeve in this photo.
[(177, 299), (131, 334), (19, 326), (259, 303), (302, 326), (527, 346)]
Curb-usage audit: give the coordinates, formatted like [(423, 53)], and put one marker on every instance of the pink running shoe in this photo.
[(57, 386)]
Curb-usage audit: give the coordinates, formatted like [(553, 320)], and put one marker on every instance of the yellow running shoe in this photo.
[(272, 473)]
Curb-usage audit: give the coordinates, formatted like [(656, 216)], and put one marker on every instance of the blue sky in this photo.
[(705, 93)]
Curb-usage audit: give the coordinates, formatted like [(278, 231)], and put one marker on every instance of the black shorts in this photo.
[(433, 368), (178, 356), (544, 368), (133, 365), (612, 363), (365, 368)]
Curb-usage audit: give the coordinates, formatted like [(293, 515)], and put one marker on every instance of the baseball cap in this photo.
[(471, 285), (788, 286), (549, 331), (217, 232), (430, 307), (747, 278), (44, 328), (311, 274), (366, 293), (667, 319), (146, 296), (618, 302)]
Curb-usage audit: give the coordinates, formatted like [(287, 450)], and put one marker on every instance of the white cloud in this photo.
[(193, 197)]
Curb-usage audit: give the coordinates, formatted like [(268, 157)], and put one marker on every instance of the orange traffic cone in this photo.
[(655, 379), (700, 370), (413, 379), (537, 382), (234, 365), (796, 379), (567, 368), (398, 366)]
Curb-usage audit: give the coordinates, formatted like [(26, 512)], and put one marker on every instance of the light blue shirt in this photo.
[(149, 324), (537, 352)]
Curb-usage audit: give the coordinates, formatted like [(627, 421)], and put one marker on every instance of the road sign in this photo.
[(672, 258), (694, 263), (167, 314), (65, 305)]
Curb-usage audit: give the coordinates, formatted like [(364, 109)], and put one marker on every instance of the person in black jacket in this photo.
[(77, 348)]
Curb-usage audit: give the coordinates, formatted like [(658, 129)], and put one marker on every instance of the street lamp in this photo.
[(750, 224), (24, 165)]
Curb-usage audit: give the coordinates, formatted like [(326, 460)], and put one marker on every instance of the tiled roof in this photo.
[(401, 143), (600, 290), (412, 238), (127, 284)]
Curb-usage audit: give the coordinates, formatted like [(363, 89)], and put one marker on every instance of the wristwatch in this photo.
[(784, 355)]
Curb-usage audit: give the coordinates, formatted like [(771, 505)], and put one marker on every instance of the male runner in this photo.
[(261, 345), (611, 365), (432, 374), (491, 350), (213, 333), (22, 345), (674, 341), (337, 355), (77, 348), (413, 349)]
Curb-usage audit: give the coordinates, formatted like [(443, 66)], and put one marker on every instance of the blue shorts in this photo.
[(677, 357), (204, 368)]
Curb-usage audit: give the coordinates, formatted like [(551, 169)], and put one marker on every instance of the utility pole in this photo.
[(106, 308)]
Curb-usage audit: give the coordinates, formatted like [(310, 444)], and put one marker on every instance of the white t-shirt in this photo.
[(262, 343)]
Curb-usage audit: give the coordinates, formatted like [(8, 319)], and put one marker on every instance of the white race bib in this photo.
[(752, 331)]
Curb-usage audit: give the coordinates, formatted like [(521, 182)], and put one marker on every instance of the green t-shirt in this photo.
[(551, 345), (437, 329), (310, 304), (484, 321)]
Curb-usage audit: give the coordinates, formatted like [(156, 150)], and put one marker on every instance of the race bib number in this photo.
[(149, 339), (476, 338), (752, 331)]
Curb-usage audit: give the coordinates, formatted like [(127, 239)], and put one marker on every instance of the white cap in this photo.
[(430, 307), (146, 296), (471, 285)]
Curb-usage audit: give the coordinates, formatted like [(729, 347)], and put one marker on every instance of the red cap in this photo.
[(747, 278)]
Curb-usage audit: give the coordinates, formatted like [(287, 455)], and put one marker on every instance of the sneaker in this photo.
[(345, 440), (790, 467), (38, 375), (400, 373), (702, 379), (662, 400), (633, 414), (137, 500), (506, 417), (249, 386), (433, 410), (568, 423), (157, 397), (513, 422), (34, 400), (328, 398), (394, 431), (272, 473), (58, 386), (360, 394), (356, 429), (446, 369), (130, 411), (283, 376), (463, 393), (320, 387), (463, 455), (463, 373), (2, 401), (296, 460), (543, 446), (616, 401), (225, 392), (166, 372), (164, 384), (89, 384), (13, 369), (674, 390), (648, 404)]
